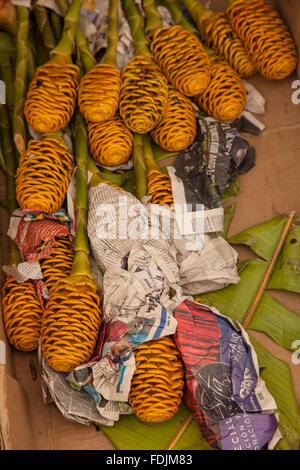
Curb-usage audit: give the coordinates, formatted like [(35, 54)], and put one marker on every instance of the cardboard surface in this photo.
[(269, 189)]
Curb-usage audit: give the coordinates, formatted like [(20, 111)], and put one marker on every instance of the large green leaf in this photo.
[(270, 317), (129, 433), (286, 275), (262, 238), (161, 154)]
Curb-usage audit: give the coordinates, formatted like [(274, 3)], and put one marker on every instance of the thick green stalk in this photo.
[(133, 16), (62, 53), (178, 16), (32, 60), (63, 6), (139, 166), (153, 18), (57, 25), (149, 155), (44, 25), (9, 156), (86, 57), (81, 264), (19, 124), (112, 33), (197, 11)]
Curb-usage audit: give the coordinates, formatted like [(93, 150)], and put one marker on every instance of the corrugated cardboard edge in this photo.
[(15, 430)]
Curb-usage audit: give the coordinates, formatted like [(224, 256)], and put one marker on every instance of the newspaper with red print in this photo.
[(226, 395)]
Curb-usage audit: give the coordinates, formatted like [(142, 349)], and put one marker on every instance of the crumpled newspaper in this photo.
[(224, 391), (137, 307), (34, 234), (147, 273)]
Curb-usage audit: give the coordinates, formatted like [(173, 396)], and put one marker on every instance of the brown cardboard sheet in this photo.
[(272, 187)]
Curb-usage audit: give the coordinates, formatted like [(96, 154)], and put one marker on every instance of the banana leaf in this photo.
[(160, 154), (129, 433)]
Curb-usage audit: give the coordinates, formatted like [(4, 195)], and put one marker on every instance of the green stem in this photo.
[(9, 153), (153, 18), (197, 11), (134, 19), (63, 6), (44, 25), (7, 48), (81, 264), (139, 166), (178, 16), (86, 58), (31, 66), (57, 26), (19, 126), (112, 33), (149, 155), (62, 53), (102, 176)]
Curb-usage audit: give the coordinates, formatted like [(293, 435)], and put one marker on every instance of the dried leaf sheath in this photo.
[(52, 94), (72, 317), (266, 37)]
